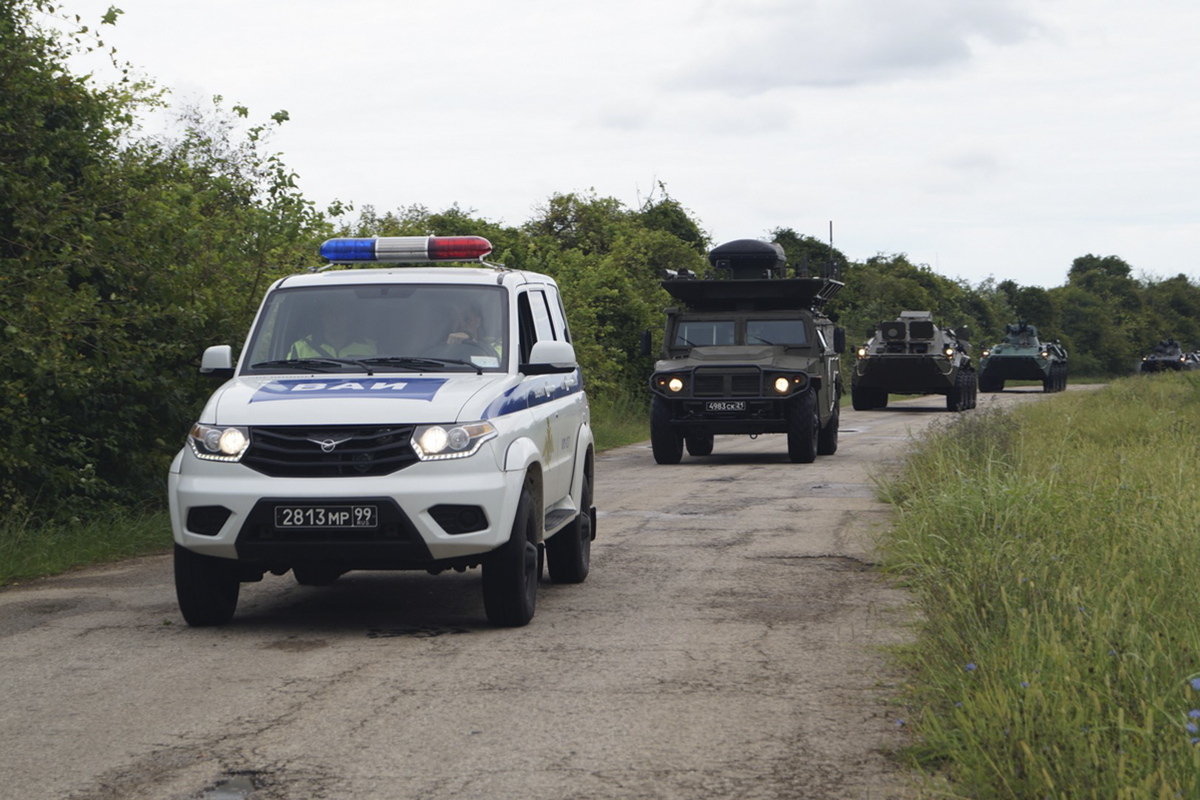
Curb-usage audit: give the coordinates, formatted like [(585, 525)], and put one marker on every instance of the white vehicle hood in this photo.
[(354, 399)]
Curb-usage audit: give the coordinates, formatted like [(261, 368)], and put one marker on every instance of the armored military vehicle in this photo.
[(1168, 356), (749, 352), (912, 355), (1023, 357)]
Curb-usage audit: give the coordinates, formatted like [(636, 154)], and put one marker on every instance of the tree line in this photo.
[(123, 256)]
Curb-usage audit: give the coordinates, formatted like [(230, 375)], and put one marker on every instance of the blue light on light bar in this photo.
[(348, 250)]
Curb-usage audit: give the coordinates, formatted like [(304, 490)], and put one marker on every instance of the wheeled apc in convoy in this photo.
[(912, 355), (1168, 356), (1022, 357), (749, 352)]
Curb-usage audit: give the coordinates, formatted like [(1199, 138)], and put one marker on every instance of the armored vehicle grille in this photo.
[(746, 382), (330, 452), (920, 330)]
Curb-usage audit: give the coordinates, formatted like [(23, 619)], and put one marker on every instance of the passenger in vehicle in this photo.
[(334, 337)]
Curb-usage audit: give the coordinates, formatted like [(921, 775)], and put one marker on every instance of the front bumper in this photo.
[(408, 535)]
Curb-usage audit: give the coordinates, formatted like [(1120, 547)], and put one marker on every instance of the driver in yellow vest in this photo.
[(333, 338)]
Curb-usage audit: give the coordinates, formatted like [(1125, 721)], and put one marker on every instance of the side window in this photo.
[(541, 315), (528, 331), (557, 315)]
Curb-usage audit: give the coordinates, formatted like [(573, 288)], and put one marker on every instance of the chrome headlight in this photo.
[(215, 443), (441, 442), (673, 384)]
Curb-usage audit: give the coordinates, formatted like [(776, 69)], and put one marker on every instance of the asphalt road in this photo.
[(726, 644)]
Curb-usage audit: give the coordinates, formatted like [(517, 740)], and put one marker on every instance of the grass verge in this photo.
[(28, 551), (1052, 551)]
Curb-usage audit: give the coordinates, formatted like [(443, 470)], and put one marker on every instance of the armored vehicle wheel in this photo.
[(510, 575), (827, 439), (699, 444), (804, 427), (959, 398), (861, 399), (315, 574), (990, 384), (569, 552), (206, 587), (666, 444), (880, 398)]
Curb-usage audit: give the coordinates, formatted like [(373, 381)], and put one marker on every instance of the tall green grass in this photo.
[(619, 419), (1053, 552), (30, 551)]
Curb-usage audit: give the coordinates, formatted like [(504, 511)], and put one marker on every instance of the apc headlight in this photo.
[(214, 443), (862, 352), (674, 384), (441, 442), (987, 353), (782, 385), (949, 351)]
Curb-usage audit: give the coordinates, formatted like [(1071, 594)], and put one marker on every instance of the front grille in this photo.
[(330, 452), (737, 382)]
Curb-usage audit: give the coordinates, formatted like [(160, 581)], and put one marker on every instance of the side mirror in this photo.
[(217, 362), (646, 341), (550, 357), (839, 340)]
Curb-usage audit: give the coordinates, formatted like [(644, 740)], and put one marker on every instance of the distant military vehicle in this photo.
[(750, 352), (1023, 357), (912, 355), (1169, 356)]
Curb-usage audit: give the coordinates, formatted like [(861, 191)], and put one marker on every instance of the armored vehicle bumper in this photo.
[(905, 374), (1015, 368)]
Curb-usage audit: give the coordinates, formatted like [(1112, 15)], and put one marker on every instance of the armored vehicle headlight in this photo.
[(862, 352), (213, 443), (675, 385), (1045, 354), (987, 353), (438, 442), (782, 385), (949, 351)]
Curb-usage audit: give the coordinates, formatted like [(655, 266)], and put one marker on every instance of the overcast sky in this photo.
[(996, 138)]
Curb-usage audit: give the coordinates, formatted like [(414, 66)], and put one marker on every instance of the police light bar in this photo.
[(406, 249)]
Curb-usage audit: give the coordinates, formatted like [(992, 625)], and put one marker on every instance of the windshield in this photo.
[(776, 331), (383, 328), (705, 333)]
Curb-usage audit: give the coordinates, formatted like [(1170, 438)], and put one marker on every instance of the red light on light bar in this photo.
[(458, 248)]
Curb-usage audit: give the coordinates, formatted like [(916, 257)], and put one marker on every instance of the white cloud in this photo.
[(831, 43)]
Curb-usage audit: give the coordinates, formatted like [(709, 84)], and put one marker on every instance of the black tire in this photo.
[(804, 428), (569, 552), (861, 399), (510, 574), (315, 574), (665, 441), (988, 384), (206, 588), (880, 398), (827, 439), (699, 444)]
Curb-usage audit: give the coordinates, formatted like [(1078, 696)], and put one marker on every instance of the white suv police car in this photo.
[(393, 418)]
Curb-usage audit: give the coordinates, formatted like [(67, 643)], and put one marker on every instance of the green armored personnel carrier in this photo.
[(912, 355), (1168, 356), (747, 352), (1023, 357)]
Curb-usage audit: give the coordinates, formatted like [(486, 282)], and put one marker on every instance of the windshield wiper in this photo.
[(764, 341), (422, 362), (314, 363)]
